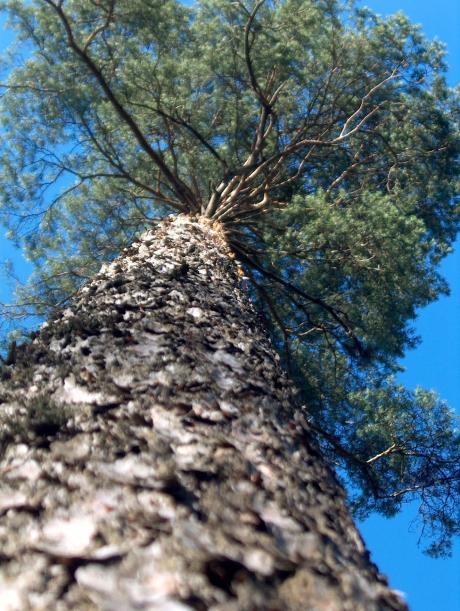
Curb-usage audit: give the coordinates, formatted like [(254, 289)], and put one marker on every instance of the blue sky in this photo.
[(429, 585)]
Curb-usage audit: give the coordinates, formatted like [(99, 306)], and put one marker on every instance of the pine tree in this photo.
[(154, 457), (316, 145)]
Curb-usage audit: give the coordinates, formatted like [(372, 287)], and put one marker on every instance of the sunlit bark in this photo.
[(154, 458)]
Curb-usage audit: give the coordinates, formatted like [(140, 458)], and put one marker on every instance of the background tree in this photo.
[(325, 141)]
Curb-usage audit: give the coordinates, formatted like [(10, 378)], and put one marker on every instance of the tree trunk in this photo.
[(153, 457)]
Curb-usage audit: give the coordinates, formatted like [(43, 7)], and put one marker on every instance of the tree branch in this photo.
[(179, 187), (361, 350)]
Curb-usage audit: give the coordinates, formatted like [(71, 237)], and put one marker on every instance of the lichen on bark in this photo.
[(183, 476)]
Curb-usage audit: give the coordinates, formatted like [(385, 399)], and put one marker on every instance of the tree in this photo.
[(154, 457), (323, 141)]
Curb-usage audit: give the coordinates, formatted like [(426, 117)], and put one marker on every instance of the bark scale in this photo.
[(153, 457)]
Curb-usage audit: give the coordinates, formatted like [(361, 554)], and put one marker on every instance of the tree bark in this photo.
[(154, 458)]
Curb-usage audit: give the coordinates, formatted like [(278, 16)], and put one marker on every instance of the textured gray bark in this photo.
[(153, 457)]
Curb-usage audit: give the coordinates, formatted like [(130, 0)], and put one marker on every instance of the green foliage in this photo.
[(393, 446), (367, 258), (421, 437), (326, 142)]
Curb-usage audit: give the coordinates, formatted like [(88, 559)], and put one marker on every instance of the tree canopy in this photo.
[(323, 139)]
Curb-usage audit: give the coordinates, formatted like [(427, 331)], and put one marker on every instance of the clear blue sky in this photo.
[(429, 585)]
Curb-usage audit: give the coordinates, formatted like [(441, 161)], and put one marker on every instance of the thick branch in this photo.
[(180, 188)]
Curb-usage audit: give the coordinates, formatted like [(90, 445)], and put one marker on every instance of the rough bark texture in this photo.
[(153, 457)]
